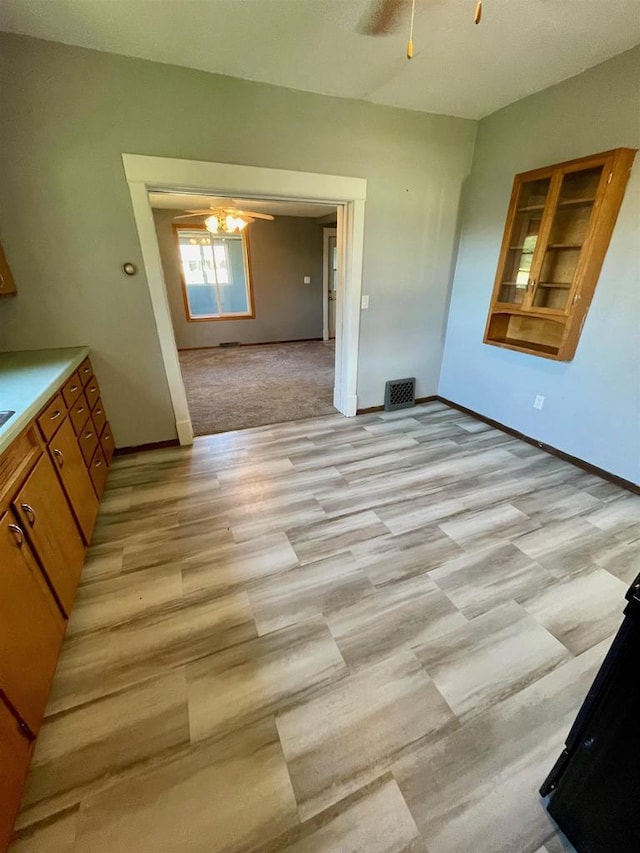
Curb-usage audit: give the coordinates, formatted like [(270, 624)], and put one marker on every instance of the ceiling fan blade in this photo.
[(384, 18), (252, 214), (188, 216)]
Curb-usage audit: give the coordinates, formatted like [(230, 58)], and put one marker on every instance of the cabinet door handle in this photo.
[(88, 434), (98, 463), (59, 456), (18, 534), (98, 411), (80, 410), (86, 370), (56, 415), (28, 511)]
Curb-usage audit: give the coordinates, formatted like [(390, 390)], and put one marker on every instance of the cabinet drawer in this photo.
[(72, 389), (31, 627), (88, 441), (99, 416), (15, 755), (85, 371), (52, 417), (72, 471), (107, 443), (92, 392), (43, 513), (98, 471), (79, 413)]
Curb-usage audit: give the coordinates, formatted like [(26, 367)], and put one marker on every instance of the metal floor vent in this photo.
[(399, 394)]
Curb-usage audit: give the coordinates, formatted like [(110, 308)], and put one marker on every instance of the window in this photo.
[(216, 277)]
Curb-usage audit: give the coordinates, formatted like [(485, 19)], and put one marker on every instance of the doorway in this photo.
[(246, 304), (146, 174)]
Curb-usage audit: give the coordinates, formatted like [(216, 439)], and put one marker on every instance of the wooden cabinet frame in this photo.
[(524, 322)]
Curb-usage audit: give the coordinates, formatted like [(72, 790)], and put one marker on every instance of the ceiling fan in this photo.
[(225, 220), (386, 16)]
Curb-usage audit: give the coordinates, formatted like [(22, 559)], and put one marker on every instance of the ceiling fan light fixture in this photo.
[(224, 223), (212, 224)]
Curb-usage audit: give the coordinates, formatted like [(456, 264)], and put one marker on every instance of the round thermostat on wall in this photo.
[(129, 268)]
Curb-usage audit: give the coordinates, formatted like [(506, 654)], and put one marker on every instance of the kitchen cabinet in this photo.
[(31, 626), (7, 284), (15, 754), (558, 229), (72, 470), (54, 459), (44, 515)]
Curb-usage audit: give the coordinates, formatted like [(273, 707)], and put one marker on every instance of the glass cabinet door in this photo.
[(523, 238), (569, 227)]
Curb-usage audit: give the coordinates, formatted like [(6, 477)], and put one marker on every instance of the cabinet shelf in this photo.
[(560, 244), (555, 284), (576, 202), (564, 246)]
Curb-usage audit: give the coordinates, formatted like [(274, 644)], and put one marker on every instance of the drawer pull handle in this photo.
[(86, 370), (88, 434), (98, 463), (73, 388), (56, 415), (28, 511), (91, 390), (59, 456), (80, 410), (98, 411), (18, 534)]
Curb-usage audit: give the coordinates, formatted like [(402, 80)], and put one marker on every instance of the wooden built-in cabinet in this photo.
[(7, 284), (45, 517), (558, 229), (28, 634), (51, 479), (15, 754)]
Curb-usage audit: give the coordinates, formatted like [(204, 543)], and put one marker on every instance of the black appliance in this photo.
[(594, 786)]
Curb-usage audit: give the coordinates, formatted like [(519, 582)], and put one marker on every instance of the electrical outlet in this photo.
[(306, 279), (538, 403)]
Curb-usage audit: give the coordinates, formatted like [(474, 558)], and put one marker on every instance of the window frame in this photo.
[(246, 254)]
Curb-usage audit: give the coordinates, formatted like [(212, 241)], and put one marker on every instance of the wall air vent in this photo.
[(399, 394)]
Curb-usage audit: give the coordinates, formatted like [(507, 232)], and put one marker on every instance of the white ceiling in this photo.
[(521, 46), (190, 201)]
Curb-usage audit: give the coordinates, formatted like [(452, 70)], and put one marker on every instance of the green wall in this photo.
[(281, 252), (592, 403), (68, 114)]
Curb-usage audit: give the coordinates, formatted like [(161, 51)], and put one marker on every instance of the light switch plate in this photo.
[(306, 279), (364, 304)]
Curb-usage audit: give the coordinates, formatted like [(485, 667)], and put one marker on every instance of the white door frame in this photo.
[(145, 174), (327, 232)]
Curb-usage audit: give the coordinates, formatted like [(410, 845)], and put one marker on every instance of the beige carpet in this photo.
[(240, 387)]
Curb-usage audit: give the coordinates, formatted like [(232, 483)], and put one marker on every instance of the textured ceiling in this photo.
[(521, 46), (184, 201)]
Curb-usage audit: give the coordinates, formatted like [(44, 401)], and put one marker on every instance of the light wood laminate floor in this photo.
[(330, 635)]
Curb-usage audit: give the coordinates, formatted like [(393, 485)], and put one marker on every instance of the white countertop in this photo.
[(28, 379)]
